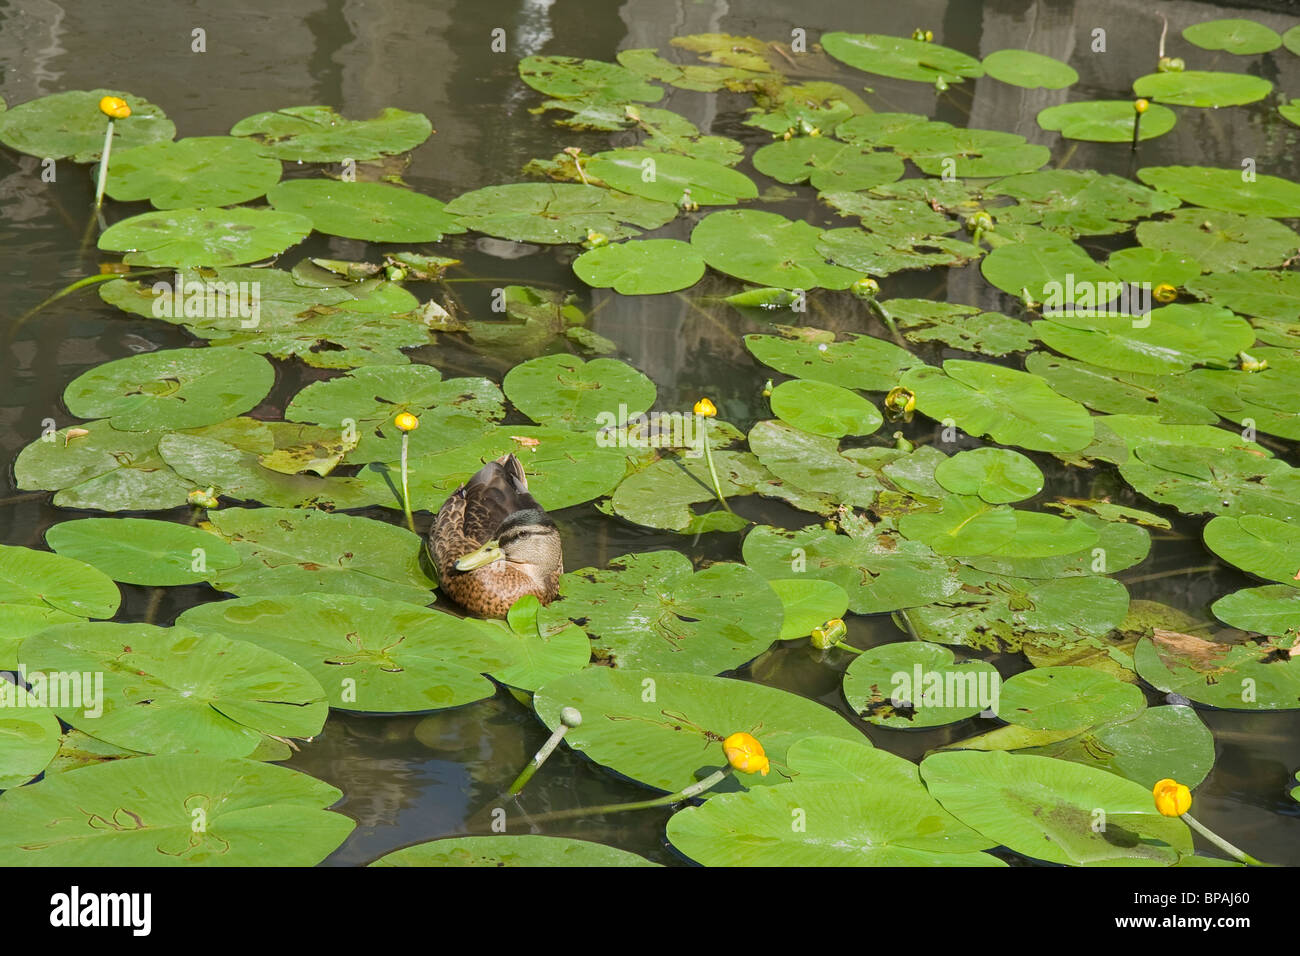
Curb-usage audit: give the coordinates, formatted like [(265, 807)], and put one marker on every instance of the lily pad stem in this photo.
[(713, 473), (1220, 842), (687, 793)]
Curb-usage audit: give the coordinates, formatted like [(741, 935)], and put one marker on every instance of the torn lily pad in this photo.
[(556, 212)]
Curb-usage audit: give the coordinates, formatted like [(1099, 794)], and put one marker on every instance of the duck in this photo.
[(492, 543)]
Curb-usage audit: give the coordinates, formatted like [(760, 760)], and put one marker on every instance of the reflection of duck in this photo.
[(492, 543)]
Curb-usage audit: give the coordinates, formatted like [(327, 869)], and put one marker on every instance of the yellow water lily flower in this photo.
[(901, 400), (1141, 105), (1172, 798), (1164, 292), (406, 422), (705, 408), (114, 107), (745, 754), (829, 634)]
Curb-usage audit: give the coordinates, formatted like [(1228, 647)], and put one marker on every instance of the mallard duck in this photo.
[(492, 543)]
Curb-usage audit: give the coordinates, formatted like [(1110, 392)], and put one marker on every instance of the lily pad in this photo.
[(1271, 609), (47, 581), (813, 463), (529, 850), (860, 362), (317, 134), (808, 603), (824, 409), (901, 58), (199, 171), (173, 690), (556, 212), (1077, 202), (940, 149), (1263, 546), (375, 212), (593, 81), (915, 684), (1046, 809), (1235, 35), (667, 178), (833, 758), (174, 388), (1067, 698), (827, 164), (1246, 676), (204, 237), (142, 812), (1228, 481), (665, 729), (1202, 88), (1225, 189), (71, 125), (1221, 241), (285, 551), (998, 475), (768, 249), (141, 550), (641, 267), (565, 391), (29, 739), (1106, 121), (1029, 70), (884, 572), (1270, 295), (1043, 265), (654, 610), (962, 327), (1010, 406)]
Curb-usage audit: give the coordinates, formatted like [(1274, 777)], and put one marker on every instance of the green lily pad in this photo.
[(901, 58), (1225, 189), (286, 551), (878, 823), (375, 212), (70, 124), (860, 362), (665, 729), (1106, 121), (1235, 35), (20, 621), (1263, 546), (1118, 546), (317, 134), (824, 409), (836, 759), (1048, 809), (1202, 88), (565, 391), (998, 475), (1139, 430), (371, 655), (666, 178), (768, 249), (1067, 698), (174, 388), (641, 267), (897, 244), (1229, 676), (882, 573), (1270, 295), (496, 851), (1075, 202), (1221, 241), (1029, 70), (533, 657), (173, 690), (1118, 393), (1011, 407), (51, 581), (813, 463), (1043, 265), (963, 327), (556, 212), (141, 550), (940, 149), (199, 171), (204, 237), (29, 739), (827, 164), (1228, 481), (1272, 609), (1139, 264), (593, 81), (915, 684), (654, 610), (808, 603), (702, 78), (144, 811)]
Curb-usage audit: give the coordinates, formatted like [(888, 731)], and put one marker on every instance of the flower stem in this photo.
[(538, 759), (694, 790), (708, 457), (103, 165), (406, 494), (1220, 842)]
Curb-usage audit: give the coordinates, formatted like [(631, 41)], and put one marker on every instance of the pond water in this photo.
[(414, 778)]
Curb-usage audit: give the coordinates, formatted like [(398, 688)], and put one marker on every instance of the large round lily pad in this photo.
[(199, 171), (1233, 34), (142, 550), (768, 249), (900, 57), (495, 851), (70, 125), (998, 475), (563, 390), (1106, 121), (915, 684), (858, 362), (641, 267), (376, 212), (1066, 698), (317, 134), (667, 178), (1225, 189), (1206, 88), (1029, 70), (824, 409), (204, 237), (556, 212)]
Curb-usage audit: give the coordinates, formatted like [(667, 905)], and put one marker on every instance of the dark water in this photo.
[(411, 779)]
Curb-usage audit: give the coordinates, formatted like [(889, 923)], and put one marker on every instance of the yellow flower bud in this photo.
[(114, 107), (1164, 292), (745, 754), (705, 408), (1172, 798), (901, 400), (1141, 105), (203, 498), (406, 422), (865, 288), (829, 634)]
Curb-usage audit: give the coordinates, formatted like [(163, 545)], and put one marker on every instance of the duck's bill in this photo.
[(485, 555)]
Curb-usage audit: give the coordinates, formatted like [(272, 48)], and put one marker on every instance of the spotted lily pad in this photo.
[(1078, 202), (1221, 241), (1248, 676), (827, 164), (654, 611), (317, 134), (141, 550), (143, 812), (940, 149), (960, 326), (568, 77), (667, 178), (915, 684), (563, 390), (375, 212), (556, 212), (70, 125), (204, 237)]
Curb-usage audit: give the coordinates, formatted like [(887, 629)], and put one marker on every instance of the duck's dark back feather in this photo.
[(496, 492)]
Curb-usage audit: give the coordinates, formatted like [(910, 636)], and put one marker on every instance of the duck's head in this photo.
[(525, 538)]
